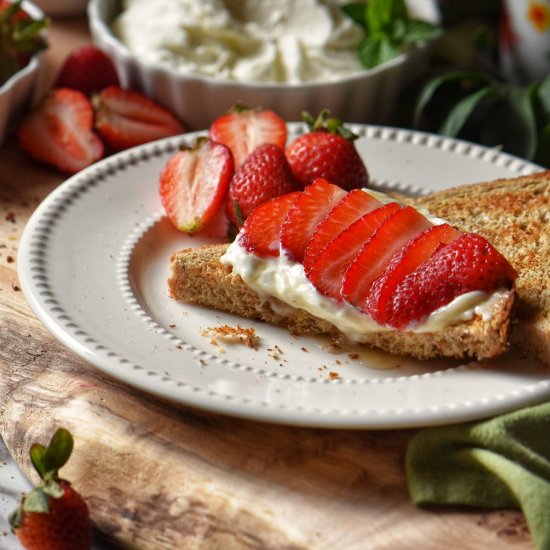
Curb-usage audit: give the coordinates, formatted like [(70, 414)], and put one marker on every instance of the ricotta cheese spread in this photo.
[(285, 279), (278, 41)]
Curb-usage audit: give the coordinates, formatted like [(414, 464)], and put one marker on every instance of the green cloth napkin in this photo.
[(503, 462)]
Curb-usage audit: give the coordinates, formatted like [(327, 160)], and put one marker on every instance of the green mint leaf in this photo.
[(461, 112), (432, 86), (511, 123), (419, 31), (542, 156), (373, 52), (357, 12), (382, 13)]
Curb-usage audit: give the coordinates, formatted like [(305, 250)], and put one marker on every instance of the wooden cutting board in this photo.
[(159, 476)]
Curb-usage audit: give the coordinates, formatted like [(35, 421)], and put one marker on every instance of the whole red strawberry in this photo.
[(87, 69), (327, 151), (264, 175), (53, 516)]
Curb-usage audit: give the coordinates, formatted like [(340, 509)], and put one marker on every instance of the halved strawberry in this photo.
[(264, 175), (261, 233), (59, 132), (303, 218), (328, 270), (413, 254), (388, 239), (125, 118), (348, 210), (87, 69), (243, 129), (468, 263), (194, 182)]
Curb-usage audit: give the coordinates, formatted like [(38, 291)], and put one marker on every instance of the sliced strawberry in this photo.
[(413, 254), (261, 233), (87, 69), (59, 132), (126, 118), (348, 210), (243, 129), (467, 264), (193, 184), (314, 204), (328, 269), (388, 239), (264, 175)]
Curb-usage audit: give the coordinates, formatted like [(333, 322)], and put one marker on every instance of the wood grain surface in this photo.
[(162, 476)]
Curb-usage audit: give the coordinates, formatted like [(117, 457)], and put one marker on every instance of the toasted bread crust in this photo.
[(198, 276), (514, 215)]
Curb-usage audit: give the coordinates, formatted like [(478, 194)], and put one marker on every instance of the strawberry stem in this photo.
[(325, 123)]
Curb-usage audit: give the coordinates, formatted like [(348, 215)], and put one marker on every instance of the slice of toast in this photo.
[(198, 276), (514, 215)]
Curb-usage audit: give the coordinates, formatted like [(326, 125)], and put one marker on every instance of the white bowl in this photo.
[(367, 97), (23, 89)]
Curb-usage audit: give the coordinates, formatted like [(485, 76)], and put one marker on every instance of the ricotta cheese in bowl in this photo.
[(284, 41)]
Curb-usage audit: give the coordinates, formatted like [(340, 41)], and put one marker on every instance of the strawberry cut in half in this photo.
[(327, 272), (59, 132), (316, 201), (125, 118), (261, 232), (375, 255), (348, 210), (193, 184), (243, 129), (416, 252), (264, 175), (469, 263)]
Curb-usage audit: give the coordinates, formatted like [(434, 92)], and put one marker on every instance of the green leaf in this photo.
[(542, 155), (37, 453), (431, 87), (382, 13), (373, 52), (58, 451), (357, 12), (462, 111), (36, 501), (420, 31), (511, 124), (543, 95)]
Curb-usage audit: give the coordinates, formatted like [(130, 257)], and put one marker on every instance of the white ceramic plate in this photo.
[(93, 264)]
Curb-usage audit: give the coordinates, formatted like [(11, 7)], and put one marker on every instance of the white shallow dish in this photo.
[(93, 264), (369, 96)]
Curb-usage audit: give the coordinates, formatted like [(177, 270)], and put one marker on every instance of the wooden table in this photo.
[(162, 476)]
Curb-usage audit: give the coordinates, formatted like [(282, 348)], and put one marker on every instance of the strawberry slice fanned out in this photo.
[(468, 263), (348, 210), (193, 184), (59, 132), (316, 201), (327, 271), (375, 255), (243, 129), (261, 232), (416, 252), (125, 118)]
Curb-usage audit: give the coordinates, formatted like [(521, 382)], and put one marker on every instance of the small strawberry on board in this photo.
[(327, 151), (53, 516)]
